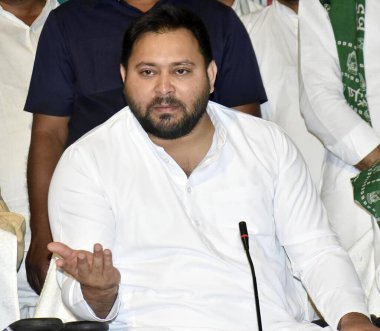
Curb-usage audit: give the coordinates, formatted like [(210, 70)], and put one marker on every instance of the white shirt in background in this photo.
[(274, 35), (18, 43), (175, 239), (348, 137)]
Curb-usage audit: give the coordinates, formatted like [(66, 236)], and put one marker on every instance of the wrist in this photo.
[(370, 160), (100, 300), (40, 239)]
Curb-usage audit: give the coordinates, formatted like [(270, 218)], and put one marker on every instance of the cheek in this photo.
[(191, 93), (138, 91)]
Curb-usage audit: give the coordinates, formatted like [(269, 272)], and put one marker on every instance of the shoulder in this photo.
[(247, 125), (247, 133), (75, 11), (73, 5), (97, 139), (214, 13), (70, 11), (202, 6)]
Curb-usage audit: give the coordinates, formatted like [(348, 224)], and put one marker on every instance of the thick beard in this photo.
[(163, 128)]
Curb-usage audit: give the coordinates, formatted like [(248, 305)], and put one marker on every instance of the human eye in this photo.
[(182, 71), (147, 72)]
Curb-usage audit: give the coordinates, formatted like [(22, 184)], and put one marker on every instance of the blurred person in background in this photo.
[(274, 35), (340, 70), (21, 23)]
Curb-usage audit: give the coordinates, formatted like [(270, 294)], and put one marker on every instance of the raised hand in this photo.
[(95, 272)]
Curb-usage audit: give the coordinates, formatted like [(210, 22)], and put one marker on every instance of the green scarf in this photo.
[(347, 19), (367, 190), (348, 22)]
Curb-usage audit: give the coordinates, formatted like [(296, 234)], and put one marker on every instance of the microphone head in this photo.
[(244, 235), (243, 228)]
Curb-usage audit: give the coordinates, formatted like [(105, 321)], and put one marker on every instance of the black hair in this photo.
[(163, 19)]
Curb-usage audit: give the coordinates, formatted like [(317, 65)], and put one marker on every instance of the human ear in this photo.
[(123, 72), (211, 73)]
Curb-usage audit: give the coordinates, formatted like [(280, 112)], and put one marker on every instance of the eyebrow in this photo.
[(185, 62), (174, 64)]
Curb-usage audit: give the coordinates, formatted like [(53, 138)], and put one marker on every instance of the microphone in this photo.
[(245, 240), (244, 235)]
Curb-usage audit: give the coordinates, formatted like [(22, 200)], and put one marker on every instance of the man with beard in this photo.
[(76, 85), (164, 183)]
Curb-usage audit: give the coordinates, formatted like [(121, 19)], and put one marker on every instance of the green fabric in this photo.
[(347, 19), (367, 190), (62, 1), (348, 22)]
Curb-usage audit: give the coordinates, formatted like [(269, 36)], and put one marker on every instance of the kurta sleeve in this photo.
[(302, 228), (328, 115), (80, 216)]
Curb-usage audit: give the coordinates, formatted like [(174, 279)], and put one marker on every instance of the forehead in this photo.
[(168, 46)]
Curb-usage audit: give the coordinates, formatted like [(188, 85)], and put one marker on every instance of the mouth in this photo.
[(165, 108)]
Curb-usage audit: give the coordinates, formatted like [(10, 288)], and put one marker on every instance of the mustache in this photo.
[(166, 101)]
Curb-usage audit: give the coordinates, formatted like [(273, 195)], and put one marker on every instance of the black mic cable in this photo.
[(245, 240)]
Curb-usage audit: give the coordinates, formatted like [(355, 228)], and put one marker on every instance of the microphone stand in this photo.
[(245, 240)]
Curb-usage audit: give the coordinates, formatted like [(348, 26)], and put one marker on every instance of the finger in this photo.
[(69, 265), (107, 261), (97, 263), (60, 249), (59, 263), (110, 272), (83, 265)]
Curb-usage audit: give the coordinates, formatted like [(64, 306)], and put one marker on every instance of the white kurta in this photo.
[(343, 132), (175, 239), (274, 35), (18, 43)]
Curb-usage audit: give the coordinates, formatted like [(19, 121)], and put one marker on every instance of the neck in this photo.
[(228, 2), (188, 151), (142, 5), (25, 10), (292, 4)]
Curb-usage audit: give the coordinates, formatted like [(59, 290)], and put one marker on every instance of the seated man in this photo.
[(76, 85), (164, 183)]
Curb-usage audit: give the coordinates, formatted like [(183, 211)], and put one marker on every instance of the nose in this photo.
[(164, 84)]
